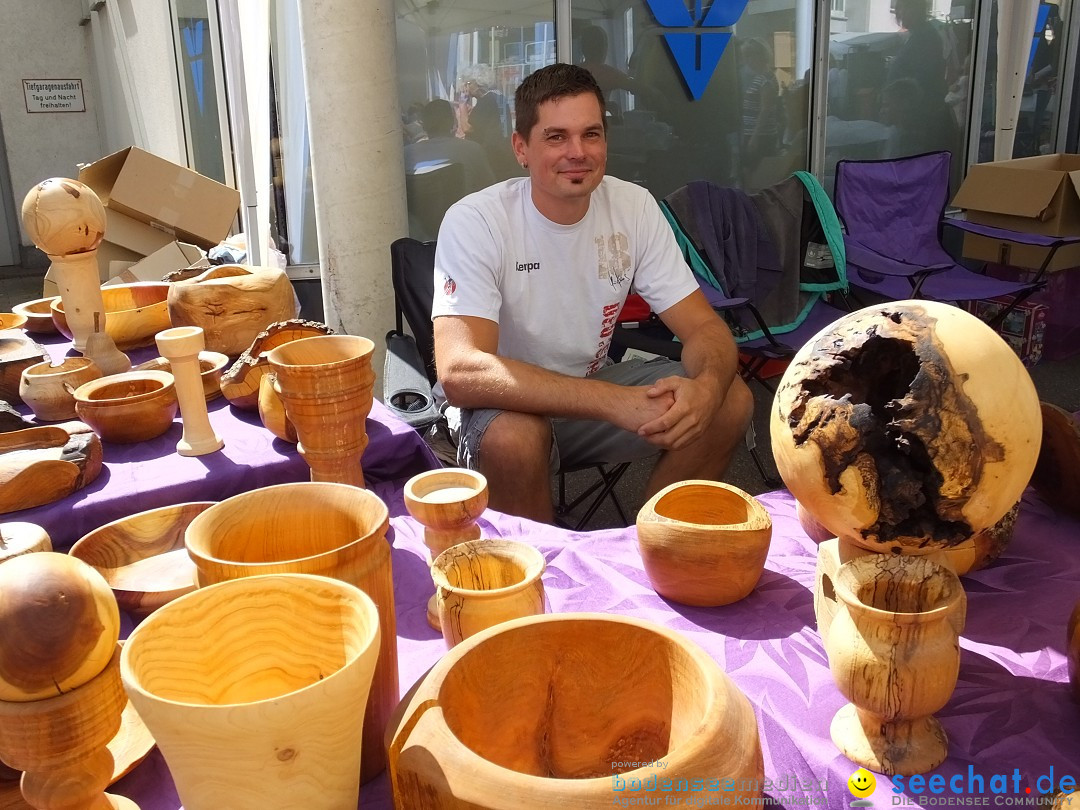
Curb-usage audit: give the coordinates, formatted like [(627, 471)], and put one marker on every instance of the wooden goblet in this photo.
[(325, 383), (447, 503), (181, 346), (893, 652)]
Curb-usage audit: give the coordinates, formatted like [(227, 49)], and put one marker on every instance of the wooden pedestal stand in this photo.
[(181, 346), (67, 220)]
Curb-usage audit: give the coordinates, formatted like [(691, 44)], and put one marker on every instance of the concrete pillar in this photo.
[(356, 160)]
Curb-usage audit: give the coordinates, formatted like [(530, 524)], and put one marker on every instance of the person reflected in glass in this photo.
[(594, 51), (441, 145), (485, 122), (761, 114)]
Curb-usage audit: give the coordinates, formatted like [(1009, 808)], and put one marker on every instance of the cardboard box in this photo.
[(174, 256), (1024, 328), (107, 255), (160, 193), (134, 235), (1061, 297), (1038, 194), (1029, 257)]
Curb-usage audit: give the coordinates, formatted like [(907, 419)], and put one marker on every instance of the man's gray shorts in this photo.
[(576, 442)]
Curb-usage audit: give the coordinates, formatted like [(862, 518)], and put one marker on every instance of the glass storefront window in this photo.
[(198, 68), (899, 79)]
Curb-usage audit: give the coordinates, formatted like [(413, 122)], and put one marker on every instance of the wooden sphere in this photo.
[(61, 625), (906, 425), (17, 539), (63, 216)]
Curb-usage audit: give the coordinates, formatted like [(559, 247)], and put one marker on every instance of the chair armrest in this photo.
[(406, 388)]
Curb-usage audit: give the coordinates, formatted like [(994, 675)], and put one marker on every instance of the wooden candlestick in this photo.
[(447, 503), (62, 698), (325, 383), (67, 220), (181, 346)]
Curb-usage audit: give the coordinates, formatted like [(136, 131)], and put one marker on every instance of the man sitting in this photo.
[(530, 276)]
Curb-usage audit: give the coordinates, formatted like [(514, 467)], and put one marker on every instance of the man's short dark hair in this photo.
[(548, 83), (438, 118)]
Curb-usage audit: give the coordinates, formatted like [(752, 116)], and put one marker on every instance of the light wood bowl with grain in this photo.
[(38, 315), (142, 556), (134, 313), (211, 366), (126, 408)]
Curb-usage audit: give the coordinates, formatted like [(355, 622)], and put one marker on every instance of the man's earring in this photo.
[(524, 164)]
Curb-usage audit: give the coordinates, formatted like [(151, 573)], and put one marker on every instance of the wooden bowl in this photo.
[(547, 711), (47, 389), (142, 556), (211, 366), (703, 543), (18, 538), (12, 320), (134, 313), (129, 407), (38, 314)]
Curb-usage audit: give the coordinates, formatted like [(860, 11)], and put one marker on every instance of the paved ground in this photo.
[(1057, 382)]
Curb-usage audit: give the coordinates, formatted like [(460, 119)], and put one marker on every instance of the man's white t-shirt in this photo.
[(556, 290)]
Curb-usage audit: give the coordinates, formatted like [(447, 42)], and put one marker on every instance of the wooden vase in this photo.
[(326, 529), (66, 219), (572, 710), (326, 385), (142, 556), (893, 652), (1072, 646), (481, 583), (447, 503), (47, 389), (232, 304), (60, 743), (272, 410), (181, 346), (255, 691), (703, 542)]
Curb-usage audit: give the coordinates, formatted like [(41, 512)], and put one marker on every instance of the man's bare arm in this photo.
[(711, 361), (474, 376)]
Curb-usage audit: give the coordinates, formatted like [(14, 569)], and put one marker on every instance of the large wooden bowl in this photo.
[(142, 556), (572, 710), (703, 542), (129, 407), (134, 313), (211, 367), (38, 315)]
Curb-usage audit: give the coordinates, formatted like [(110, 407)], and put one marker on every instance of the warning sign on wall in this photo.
[(53, 95)]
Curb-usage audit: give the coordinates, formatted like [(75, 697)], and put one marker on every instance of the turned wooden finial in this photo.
[(63, 217)]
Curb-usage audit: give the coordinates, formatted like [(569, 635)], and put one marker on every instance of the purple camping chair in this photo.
[(892, 212)]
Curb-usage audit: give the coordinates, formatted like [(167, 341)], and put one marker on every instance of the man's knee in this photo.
[(517, 439), (740, 401)]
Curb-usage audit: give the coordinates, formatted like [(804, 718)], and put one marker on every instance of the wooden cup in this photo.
[(482, 583), (255, 691), (325, 529)]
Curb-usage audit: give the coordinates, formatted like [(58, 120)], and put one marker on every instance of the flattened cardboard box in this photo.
[(160, 193), (174, 256), (1038, 194)]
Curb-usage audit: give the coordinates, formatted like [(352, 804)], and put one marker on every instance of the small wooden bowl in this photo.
[(703, 543), (129, 407), (134, 313), (211, 366), (38, 314), (48, 390), (142, 556), (11, 320)]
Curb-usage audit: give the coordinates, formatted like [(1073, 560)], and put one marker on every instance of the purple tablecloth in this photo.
[(146, 475), (1011, 713)]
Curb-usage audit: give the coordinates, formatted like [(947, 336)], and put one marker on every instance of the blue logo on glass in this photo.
[(697, 53)]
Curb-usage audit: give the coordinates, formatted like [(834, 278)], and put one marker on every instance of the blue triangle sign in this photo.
[(697, 56)]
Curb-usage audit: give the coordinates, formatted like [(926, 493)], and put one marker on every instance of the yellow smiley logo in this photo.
[(861, 783)]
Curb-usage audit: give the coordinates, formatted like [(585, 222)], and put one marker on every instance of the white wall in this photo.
[(126, 60), (44, 41)]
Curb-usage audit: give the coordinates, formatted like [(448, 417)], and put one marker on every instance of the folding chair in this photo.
[(893, 213), (409, 375)]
